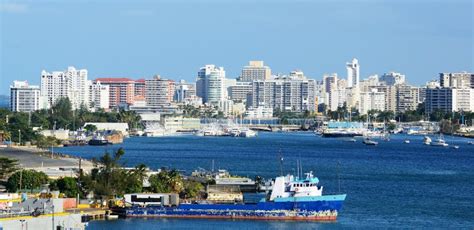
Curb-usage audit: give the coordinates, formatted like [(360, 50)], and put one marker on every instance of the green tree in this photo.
[(191, 189), (166, 181), (135, 179), (46, 142), (130, 117), (61, 113), (90, 128), (67, 185), (27, 179), (109, 179), (7, 167)]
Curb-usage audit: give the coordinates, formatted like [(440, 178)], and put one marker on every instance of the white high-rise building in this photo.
[(71, 83), (457, 80), (372, 100), (353, 73), (210, 84), (284, 93), (24, 97), (98, 95), (255, 71)]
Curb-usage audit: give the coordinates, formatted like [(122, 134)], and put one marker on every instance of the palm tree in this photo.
[(140, 171), (7, 135), (130, 117)]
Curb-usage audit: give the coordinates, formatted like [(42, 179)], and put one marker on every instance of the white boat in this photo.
[(440, 142), (368, 141), (427, 140), (456, 146), (248, 133), (407, 141)]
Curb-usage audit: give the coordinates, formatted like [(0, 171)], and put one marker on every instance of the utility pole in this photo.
[(21, 178), (53, 215)]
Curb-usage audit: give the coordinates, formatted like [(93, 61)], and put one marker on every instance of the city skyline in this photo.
[(415, 41)]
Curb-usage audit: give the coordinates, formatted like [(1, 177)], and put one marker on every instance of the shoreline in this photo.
[(31, 157)]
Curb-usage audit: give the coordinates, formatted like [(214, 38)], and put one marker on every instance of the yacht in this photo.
[(247, 133), (440, 142)]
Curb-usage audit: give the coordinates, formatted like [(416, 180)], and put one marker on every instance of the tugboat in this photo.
[(292, 198), (99, 140)]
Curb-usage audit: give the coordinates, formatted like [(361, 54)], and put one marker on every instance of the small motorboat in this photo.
[(456, 146), (368, 141), (439, 143), (427, 140), (406, 141)]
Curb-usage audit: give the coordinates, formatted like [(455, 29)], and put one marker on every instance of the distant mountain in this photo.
[(4, 101)]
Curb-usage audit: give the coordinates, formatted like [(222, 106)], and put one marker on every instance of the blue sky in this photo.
[(175, 38)]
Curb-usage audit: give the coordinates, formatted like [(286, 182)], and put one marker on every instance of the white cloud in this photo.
[(13, 7)]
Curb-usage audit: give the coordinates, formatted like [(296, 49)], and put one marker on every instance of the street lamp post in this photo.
[(19, 137), (53, 215)]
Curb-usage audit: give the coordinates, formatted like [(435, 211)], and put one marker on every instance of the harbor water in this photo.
[(390, 185)]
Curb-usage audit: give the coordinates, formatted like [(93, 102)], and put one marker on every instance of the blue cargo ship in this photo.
[(292, 198)]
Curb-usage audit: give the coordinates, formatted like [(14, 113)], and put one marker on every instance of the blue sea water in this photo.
[(392, 185)]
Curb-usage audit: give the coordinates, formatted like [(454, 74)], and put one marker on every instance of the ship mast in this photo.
[(281, 163)]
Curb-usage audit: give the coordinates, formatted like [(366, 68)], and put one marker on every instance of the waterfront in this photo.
[(389, 185)]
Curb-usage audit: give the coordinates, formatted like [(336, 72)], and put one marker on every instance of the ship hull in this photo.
[(308, 210)]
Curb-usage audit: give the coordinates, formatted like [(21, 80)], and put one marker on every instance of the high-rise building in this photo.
[(372, 100), (158, 91), (210, 84), (184, 91), (407, 98), (139, 92), (284, 93), (121, 91), (240, 91), (390, 94), (353, 73), (98, 95), (255, 71), (393, 78), (456, 80), (333, 91), (71, 83), (24, 97), (449, 99)]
